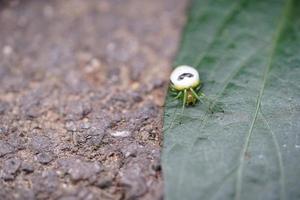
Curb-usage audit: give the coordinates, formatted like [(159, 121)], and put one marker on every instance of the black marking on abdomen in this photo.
[(182, 76)]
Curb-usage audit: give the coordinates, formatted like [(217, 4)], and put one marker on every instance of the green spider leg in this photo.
[(173, 93), (196, 95), (198, 88), (178, 95), (184, 100), (214, 105), (203, 99), (173, 89), (210, 104)]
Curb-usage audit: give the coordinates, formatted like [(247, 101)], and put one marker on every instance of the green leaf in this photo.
[(248, 56)]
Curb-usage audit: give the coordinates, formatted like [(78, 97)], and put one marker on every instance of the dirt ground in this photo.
[(82, 85)]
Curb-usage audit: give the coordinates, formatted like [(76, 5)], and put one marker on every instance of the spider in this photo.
[(185, 85)]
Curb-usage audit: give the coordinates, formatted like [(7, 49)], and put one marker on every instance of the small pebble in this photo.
[(121, 134), (104, 183), (44, 158), (11, 166), (27, 168)]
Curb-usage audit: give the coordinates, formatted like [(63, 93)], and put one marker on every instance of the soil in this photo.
[(82, 85)]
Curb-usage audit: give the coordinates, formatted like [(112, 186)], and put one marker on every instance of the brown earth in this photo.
[(82, 85)]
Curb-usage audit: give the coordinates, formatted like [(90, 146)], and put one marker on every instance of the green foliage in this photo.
[(248, 56)]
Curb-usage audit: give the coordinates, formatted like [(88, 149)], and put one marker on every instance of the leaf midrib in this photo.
[(273, 48)]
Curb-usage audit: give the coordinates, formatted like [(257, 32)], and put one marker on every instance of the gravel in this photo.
[(82, 86)]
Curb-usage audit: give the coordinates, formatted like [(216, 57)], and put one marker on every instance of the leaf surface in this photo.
[(248, 55)]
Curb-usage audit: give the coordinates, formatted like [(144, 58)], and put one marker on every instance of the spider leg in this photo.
[(211, 104), (196, 95), (210, 101), (198, 87), (173, 89), (203, 95), (203, 99), (178, 95), (184, 100)]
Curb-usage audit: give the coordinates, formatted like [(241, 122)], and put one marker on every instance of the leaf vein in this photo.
[(274, 43), (279, 156), (234, 11)]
